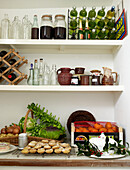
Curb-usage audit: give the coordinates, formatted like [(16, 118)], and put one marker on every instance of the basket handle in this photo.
[(25, 121)]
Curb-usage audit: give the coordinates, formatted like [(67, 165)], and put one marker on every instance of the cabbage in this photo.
[(50, 133)]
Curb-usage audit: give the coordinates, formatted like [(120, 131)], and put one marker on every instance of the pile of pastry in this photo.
[(46, 146)]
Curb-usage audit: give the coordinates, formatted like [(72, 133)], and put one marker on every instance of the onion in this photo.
[(10, 129), (3, 131), (16, 131)]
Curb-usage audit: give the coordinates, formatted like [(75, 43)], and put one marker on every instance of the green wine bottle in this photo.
[(111, 23), (87, 31), (112, 34), (73, 25), (83, 13), (92, 13), (83, 23), (73, 12), (101, 13), (92, 23), (102, 34), (80, 31), (93, 34), (101, 23)]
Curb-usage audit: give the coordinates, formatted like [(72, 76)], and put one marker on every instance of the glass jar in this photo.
[(60, 27), (46, 29)]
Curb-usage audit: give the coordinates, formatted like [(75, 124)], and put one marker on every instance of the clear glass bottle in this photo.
[(46, 29), (41, 72), (30, 80), (92, 13), (36, 73), (16, 28), (35, 28), (53, 75), (26, 28), (46, 75), (60, 27), (5, 27)]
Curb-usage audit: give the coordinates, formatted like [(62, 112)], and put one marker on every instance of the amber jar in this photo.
[(60, 27), (46, 29)]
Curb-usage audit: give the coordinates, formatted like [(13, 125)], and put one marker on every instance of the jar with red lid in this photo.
[(60, 27), (46, 29)]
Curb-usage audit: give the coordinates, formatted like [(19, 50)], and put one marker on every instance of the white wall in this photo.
[(122, 66)]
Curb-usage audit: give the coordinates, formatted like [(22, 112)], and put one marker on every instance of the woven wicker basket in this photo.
[(31, 138), (12, 140)]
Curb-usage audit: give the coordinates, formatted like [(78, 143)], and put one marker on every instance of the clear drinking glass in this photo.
[(5, 27)]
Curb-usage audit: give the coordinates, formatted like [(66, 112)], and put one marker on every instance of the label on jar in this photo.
[(74, 81), (94, 80)]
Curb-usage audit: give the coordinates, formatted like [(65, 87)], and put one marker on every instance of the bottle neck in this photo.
[(35, 22), (54, 67), (80, 25)]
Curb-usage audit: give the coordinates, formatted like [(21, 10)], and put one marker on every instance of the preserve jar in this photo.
[(60, 27), (46, 29)]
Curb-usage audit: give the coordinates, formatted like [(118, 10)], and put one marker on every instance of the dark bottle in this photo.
[(46, 29), (2, 69), (60, 27), (12, 61), (80, 31), (73, 36), (12, 76), (35, 28), (2, 54)]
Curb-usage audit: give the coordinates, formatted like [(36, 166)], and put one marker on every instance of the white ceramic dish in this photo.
[(12, 148), (114, 156)]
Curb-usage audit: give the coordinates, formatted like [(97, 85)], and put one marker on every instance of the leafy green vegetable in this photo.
[(45, 120), (50, 134), (30, 124)]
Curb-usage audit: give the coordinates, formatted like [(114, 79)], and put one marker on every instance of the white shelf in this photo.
[(59, 88), (62, 46)]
